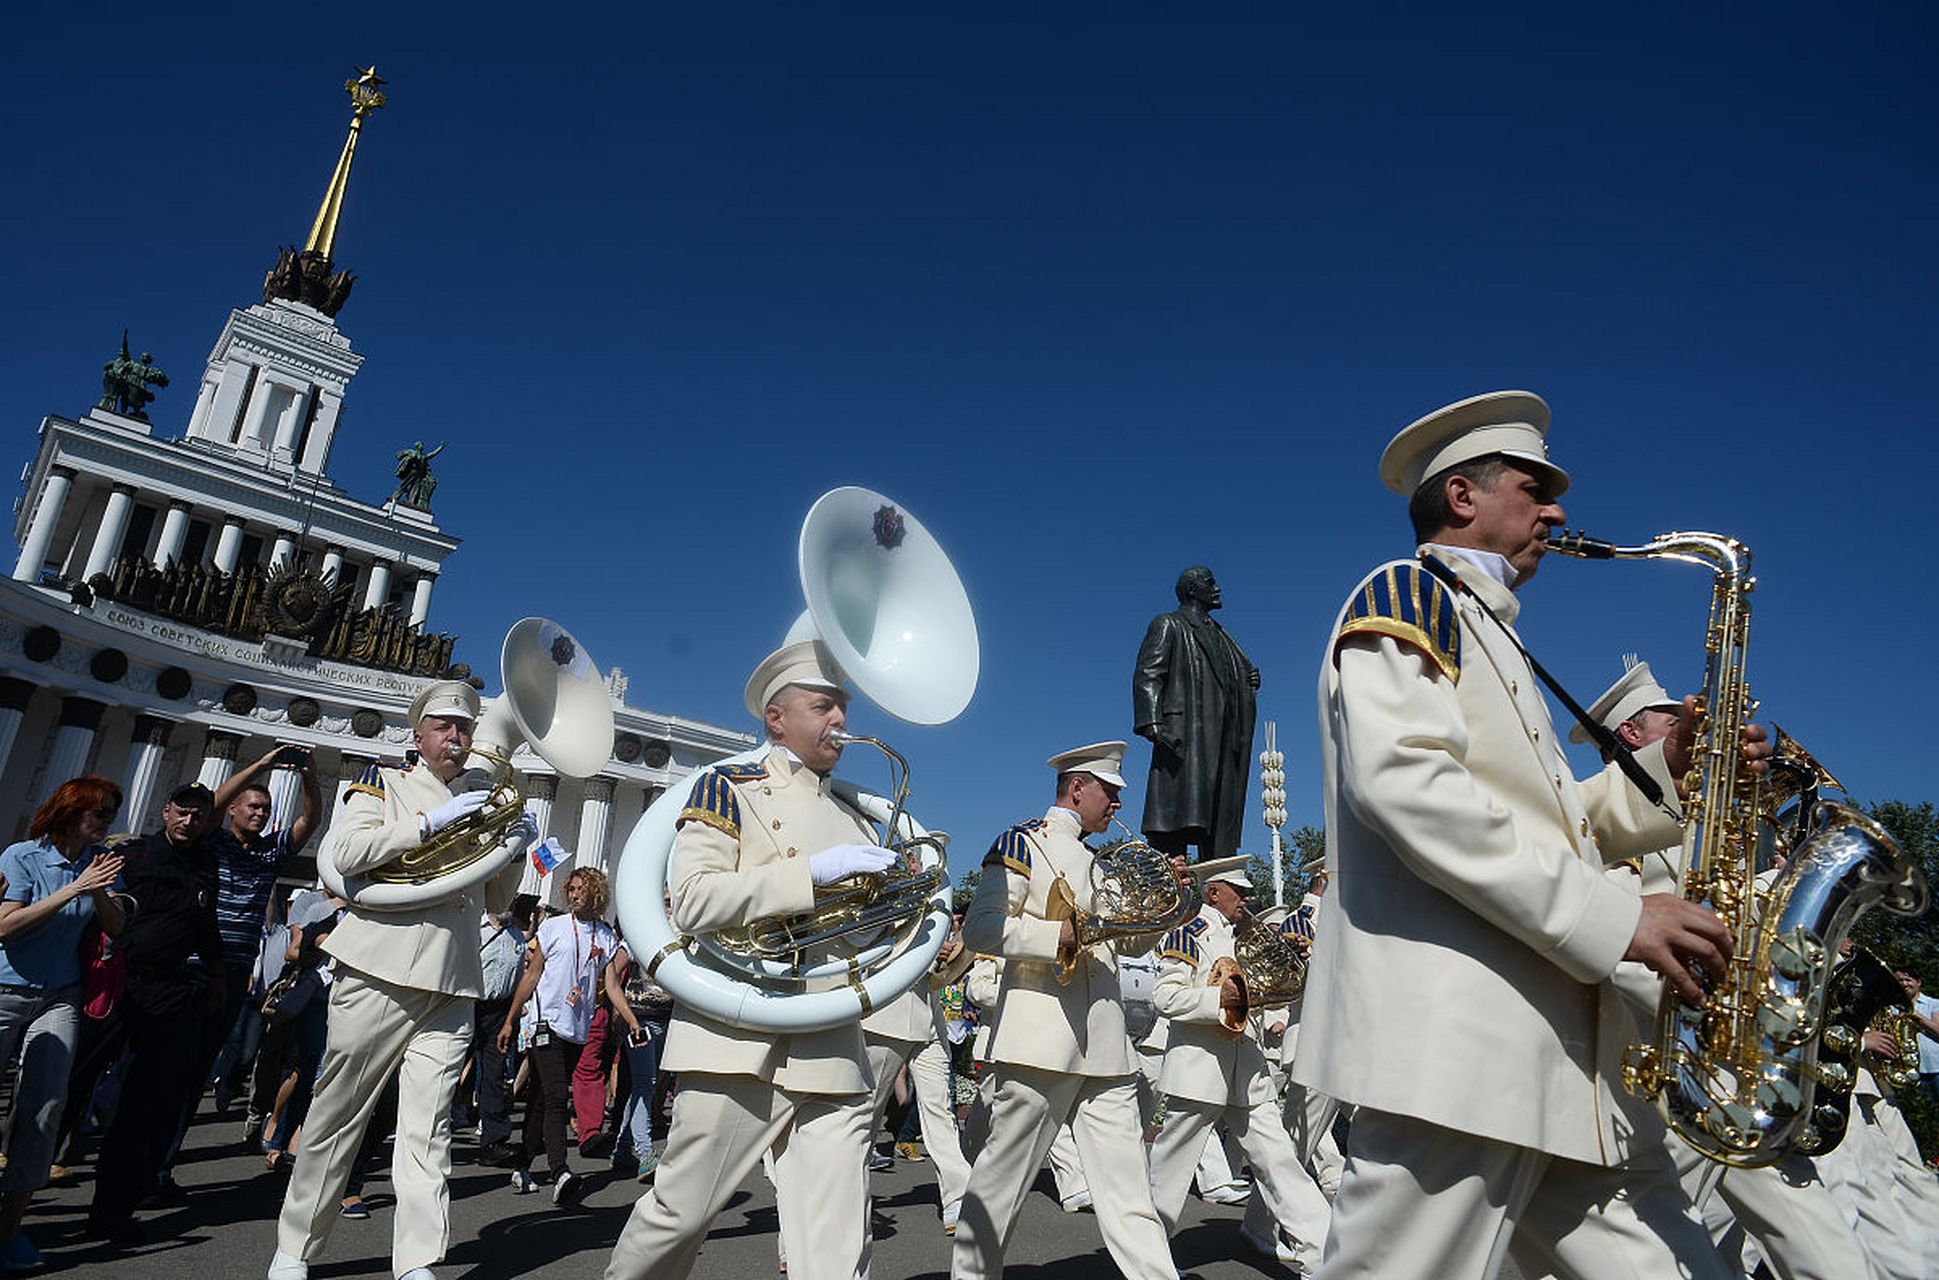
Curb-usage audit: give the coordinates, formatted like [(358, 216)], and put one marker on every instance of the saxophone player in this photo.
[(1786, 1207), (401, 1001), (1059, 1052), (754, 841), (1467, 874), (1215, 1070)]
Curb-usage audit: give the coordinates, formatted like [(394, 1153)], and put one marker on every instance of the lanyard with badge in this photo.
[(594, 954)]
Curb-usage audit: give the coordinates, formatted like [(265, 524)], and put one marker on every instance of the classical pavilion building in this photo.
[(182, 603)]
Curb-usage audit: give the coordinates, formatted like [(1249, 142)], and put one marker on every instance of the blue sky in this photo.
[(1096, 291)]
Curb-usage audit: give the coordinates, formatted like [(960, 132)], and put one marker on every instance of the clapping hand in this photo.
[(99, 874)]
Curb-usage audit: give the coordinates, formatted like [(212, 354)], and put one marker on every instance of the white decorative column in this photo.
[(146, 746), (289, 423), (40, 534), (285, 795), (1272, 781), (349, 771), (283, 551), (228, 545), (253, 416), (218, 758), (73, 743), (421, 598), (114, 527), (175, 532), (333, 563), (541, 789), (14, 695), (379, 589), (595, 822)]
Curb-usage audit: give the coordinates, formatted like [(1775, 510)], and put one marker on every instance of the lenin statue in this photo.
[(1192, 696)]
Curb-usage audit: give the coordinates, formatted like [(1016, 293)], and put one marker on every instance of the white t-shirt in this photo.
[(576, 952)]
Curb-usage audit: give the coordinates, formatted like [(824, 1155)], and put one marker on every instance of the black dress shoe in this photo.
[(501, 1155), (597, 1146), (167, 1192)]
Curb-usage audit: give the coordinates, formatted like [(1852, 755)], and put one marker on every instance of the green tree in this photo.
[(1299, 846), (965, 889)]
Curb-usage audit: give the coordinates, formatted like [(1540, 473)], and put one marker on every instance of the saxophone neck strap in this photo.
[(1604, 738)]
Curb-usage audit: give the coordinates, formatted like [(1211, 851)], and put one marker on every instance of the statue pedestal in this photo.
[(409, 514)]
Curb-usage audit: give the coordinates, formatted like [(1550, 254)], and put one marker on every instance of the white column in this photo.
[(252, 417), (421, 598), (146, 747), (333, 562), (73, 743), (218, 758), (541, 789), (40, 534), (329, 406), (348, 772), (595, 822), (228, 545), (13, 709), (283, 551), (175, 532), (289, 423), (114, 527), (285, 796), (379, 590)]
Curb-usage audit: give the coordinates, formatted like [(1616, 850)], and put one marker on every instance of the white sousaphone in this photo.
[(556, 703), (890, 607)]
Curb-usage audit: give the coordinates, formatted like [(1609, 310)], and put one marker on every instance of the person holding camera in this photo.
[(646, 1008), (564, 966)]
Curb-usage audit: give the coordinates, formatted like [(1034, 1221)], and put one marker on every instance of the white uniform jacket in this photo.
[(428, 948), (741, 853), (1203, 1061), (1079, 1028), (1461, 964), (916, 1016)]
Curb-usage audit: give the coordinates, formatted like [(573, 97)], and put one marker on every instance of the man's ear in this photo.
[(1459, 491)]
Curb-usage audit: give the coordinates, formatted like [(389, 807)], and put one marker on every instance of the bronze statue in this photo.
[(415, 482), (125, 383), (1192, 695)]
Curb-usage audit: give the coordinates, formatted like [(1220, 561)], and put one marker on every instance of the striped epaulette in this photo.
[(1406, 601), (712, 799), (1012, 849), (370, 782), (1300, 924), (1182, 943)]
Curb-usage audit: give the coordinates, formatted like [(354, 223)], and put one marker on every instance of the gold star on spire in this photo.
[(366, 91)]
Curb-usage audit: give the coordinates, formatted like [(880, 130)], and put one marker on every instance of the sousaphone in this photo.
[(889, 606)]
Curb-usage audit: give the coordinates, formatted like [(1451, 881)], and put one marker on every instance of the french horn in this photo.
[(556, 703), (887, 603)]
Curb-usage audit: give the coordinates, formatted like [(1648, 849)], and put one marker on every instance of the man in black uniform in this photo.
[(174, 964)]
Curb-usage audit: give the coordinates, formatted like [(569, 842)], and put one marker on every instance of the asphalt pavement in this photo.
[(226, 1227)]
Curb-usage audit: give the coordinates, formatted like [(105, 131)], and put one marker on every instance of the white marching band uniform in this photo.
[(909, 1032), (1058, 1053), (741, 853), (1212, 1074)]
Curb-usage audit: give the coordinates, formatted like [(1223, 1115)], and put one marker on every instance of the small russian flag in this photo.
[(547, 854)]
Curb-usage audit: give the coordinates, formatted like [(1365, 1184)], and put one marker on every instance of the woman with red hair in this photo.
[(51, 885)]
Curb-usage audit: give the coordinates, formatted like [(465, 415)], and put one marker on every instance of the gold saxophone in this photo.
[(1736, 1078), (1137, 894)]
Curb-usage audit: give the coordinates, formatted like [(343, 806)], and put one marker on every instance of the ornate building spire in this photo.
[(366, 95), (310, 276)]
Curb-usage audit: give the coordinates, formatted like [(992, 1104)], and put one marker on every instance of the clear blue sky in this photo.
[(1097, 291)]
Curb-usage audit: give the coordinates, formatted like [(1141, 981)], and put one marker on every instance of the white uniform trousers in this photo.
[(722, 1125), (1218, 1159), (1800, 1228), (1279, 1181), (377, 1028), (1309, 1116), (928, 1064), (1025, 1111), (1066, 1167), (1422, 1201), (1888, 1215)]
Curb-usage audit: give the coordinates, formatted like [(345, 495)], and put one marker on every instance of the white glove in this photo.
[(453, 809), (845, 860), (525, 830)]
